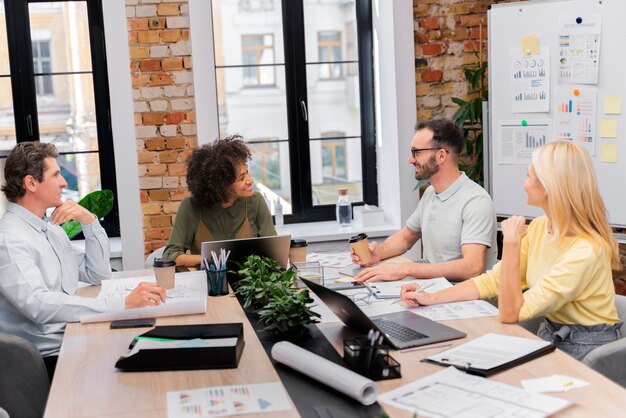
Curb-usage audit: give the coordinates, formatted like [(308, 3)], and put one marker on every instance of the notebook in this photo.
[(492, 353), (276, 247), (401, 329)]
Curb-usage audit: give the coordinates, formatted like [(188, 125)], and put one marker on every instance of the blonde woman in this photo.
[(560, 265)]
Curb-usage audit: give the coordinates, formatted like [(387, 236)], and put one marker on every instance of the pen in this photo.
[(425, 347), (421, 289)]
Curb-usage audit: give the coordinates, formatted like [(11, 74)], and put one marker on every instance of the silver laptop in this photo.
[(276, 247), (401, 329)]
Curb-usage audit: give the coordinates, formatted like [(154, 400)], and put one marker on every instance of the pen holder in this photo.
[(372, 361), (216, 280)]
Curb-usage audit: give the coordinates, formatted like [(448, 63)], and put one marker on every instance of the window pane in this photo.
[(270, 170), (82, 173), (333, 105), (325, 24), (7, 120), (240, 25), (67, 118), (61, 33), (4, 48), (336, 163), (259, 113)]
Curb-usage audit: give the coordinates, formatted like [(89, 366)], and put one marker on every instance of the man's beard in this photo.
[(427, 170)]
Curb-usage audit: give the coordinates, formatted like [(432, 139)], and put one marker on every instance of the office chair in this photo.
[(24, 383), (609, 359), (158, 253)]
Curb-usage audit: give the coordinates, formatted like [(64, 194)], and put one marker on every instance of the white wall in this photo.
[(120, 87), (395, 109)]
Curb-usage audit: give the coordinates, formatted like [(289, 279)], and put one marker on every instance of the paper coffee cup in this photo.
[(297, 251), (361, 247), (165, 272)]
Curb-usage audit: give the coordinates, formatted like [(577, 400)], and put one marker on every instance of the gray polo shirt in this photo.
[(461, 214)]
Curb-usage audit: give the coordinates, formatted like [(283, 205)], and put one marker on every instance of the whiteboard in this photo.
[(508, 23)]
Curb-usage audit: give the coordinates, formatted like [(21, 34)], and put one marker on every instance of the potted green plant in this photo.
[(269, 289), (98, 202)]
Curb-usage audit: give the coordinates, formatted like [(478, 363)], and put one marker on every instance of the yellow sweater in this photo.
[(566, 281)]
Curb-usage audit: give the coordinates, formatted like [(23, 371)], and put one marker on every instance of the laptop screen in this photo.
[(276, 247)]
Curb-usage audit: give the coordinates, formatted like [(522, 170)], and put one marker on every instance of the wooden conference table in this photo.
[(86, 383)]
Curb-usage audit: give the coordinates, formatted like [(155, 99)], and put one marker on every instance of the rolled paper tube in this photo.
[(325, 371)]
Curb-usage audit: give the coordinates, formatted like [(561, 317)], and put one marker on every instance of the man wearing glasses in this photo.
[(455, 218)]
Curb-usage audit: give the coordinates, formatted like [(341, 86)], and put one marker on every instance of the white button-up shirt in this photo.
[(39, 274)]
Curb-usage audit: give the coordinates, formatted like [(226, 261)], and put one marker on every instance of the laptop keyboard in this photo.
[(397, 331)]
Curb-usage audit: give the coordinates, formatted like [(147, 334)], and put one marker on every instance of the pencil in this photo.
[(421, 289)]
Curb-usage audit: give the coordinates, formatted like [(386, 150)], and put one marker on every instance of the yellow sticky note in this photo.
[(608, 153), (530, 45), (608, 128), (612, 105)]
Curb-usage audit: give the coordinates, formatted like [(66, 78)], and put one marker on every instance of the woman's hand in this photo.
[(513, 229), (413, 295)]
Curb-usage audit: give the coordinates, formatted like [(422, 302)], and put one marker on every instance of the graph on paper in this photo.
[(518, 140), (575, 116), (227, 400)]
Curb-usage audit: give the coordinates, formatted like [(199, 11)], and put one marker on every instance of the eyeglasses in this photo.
[(415, 151), (361, 298)]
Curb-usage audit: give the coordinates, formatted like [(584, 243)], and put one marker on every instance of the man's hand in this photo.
[(413, 296), (375, 251), (145, 294), (71, 210), (382, 272), (514, 229)]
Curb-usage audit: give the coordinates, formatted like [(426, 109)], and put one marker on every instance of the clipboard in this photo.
[(522, 351)]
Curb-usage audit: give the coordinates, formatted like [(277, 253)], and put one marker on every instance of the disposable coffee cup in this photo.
[(361, 247), (165, 270), (297, 251)]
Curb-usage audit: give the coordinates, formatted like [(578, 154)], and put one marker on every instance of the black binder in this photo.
[(469, 369), (187, 358)]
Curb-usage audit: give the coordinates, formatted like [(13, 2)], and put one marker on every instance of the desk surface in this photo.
[(86, 384)]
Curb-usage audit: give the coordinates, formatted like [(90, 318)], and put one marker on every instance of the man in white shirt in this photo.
[(39, 269), (455, 218)]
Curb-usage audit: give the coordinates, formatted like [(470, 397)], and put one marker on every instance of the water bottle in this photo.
[(344, 208), (279, 220)]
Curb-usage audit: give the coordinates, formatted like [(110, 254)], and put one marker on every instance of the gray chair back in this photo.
[(609, 358), (24, 383)]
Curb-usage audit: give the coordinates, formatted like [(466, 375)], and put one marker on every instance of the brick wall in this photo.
[(447, 32), (161, 73)]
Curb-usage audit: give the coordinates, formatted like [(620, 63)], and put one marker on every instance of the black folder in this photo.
[(187, 358), (470, 369)]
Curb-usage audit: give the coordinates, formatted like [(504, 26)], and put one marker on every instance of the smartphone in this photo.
[(133, 323)]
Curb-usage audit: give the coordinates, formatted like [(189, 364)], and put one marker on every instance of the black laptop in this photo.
[(401, 329)]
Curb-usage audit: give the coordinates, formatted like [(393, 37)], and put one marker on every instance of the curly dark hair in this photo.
[(212, 169), (445, 134), (25, 159)]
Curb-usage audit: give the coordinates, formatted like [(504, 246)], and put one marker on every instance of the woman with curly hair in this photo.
[(222, 203)]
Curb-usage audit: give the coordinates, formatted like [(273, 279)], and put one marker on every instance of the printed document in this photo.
[(452, 393), (189, 296), (489, 351)]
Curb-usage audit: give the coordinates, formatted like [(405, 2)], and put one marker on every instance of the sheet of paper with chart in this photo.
[(223, 401), (519, 138), (189, 296), (452, 393), (336, 260), (530, 81)]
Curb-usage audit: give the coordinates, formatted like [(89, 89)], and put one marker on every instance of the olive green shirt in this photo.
[(222, 223)]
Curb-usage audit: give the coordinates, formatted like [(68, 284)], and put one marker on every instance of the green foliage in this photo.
[(270, 289), (99, 202), (469, 117)]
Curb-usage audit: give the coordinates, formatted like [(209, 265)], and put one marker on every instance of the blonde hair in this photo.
[(566, 172)]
